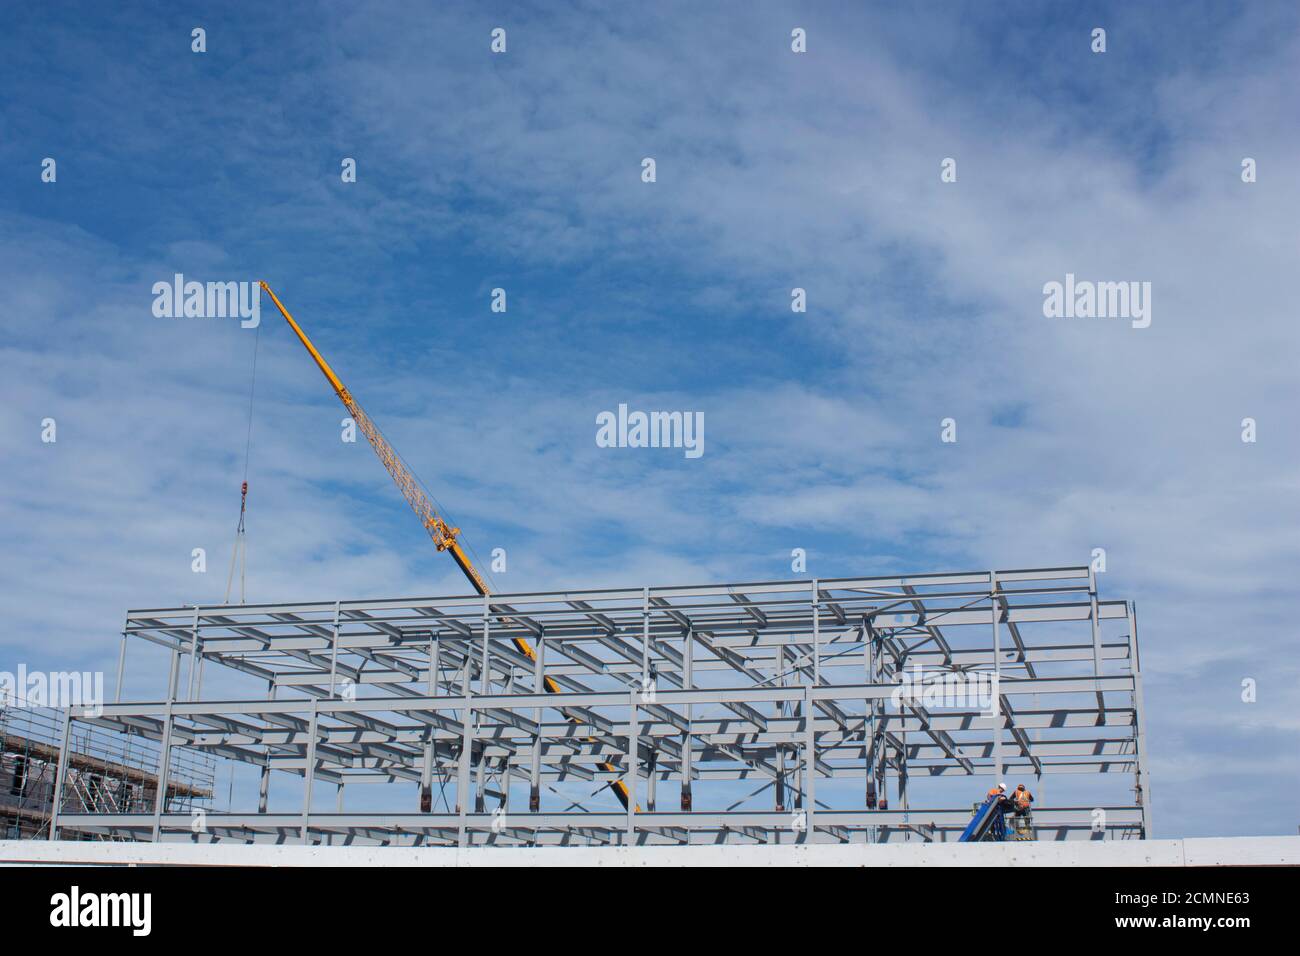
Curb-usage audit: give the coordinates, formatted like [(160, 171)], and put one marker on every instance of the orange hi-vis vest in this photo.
[(1023, 798), (995, 792)]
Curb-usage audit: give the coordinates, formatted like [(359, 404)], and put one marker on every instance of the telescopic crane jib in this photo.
[(444, 535)]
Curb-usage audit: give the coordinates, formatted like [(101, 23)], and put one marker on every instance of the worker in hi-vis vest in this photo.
[(1021, 799), (999, 791)]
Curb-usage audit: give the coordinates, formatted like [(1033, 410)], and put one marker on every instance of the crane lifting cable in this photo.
[(445, 536), (240, 552)]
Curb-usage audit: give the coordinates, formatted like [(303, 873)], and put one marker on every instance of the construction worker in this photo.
[(1000, 791), (1021, 799), (1021, 819)]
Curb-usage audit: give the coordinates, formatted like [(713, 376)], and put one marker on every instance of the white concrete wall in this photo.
[(1219, 851)]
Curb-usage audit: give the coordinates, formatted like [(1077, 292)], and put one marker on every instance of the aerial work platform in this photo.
[(852, 710)]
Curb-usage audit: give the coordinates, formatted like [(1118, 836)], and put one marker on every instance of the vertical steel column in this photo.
[(778, 785), (997, 677), (426, 768), (881, 749), (1095, 620), (810, 762), (652, 781), (485, 674), (810, 740), (485, 687), (61, 772), (902, 784), (165, 753), (647, 694), (309, 772), (817, 635), (334, 652), (535, 758), (633, 765), (868, 716), (435, 662), (797, 709), (877, 796), (264, 782), (1140, 727), (645, 639), (466, 748), (194, 650), (121, 670), (688, 683)]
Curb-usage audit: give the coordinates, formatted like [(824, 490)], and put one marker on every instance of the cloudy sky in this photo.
[(774, 170)]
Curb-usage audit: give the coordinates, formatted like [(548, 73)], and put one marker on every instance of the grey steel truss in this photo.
[(784, 711)]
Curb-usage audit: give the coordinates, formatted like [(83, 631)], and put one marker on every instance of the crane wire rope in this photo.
[(240, 551)]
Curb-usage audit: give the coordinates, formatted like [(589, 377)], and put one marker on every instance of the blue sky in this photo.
[(522, 171)]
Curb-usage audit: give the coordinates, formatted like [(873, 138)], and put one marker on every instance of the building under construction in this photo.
[(853, 710)]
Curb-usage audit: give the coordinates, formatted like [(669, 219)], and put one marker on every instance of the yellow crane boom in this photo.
[(444, 535)]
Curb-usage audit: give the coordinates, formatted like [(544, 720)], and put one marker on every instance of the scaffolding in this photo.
[(852, 710), (106, 772)]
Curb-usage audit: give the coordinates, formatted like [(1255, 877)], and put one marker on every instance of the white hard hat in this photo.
[(1002, 786)]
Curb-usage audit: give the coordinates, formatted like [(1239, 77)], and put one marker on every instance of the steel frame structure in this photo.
[(775, 712)]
